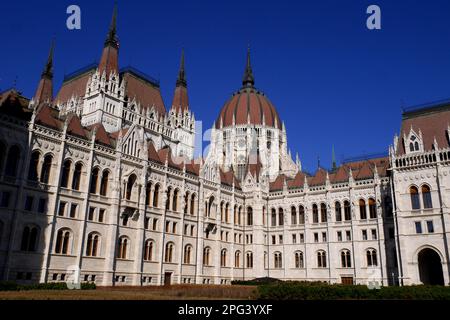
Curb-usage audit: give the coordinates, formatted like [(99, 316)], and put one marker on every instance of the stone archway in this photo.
[(430, 267)]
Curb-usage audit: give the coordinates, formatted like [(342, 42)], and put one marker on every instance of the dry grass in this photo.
[(174, 292)]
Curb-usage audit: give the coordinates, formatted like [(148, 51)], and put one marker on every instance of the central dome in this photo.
[(248, 105)]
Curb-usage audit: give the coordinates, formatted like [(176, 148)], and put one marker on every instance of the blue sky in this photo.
[(333, 80)]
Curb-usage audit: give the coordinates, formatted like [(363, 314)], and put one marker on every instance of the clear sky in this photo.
[(333, 81)]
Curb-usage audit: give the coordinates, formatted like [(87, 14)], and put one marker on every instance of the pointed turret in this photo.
[(333, 159), (248, 79), (180, 97), (44, 91), (109, 60)]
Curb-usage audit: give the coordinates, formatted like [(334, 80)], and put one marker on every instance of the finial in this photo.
[(111, 39), (248, 79), (181, 80)]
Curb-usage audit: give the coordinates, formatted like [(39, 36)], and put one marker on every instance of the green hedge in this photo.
[(12, 286), (303, 291)]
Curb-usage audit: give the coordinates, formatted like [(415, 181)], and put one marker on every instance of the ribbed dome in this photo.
[(248, 105)]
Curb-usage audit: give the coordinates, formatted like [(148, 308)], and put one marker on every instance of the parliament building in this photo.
[(102, 178)]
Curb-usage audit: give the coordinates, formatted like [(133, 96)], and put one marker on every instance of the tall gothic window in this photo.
[(92, 245), (372, 209), (104, 183), (280, 217), (187, 254), (46, 168), (66, 173), (315, 212), (63, 239), (299, 260), (12, 161), (77, 176), (338, 211), (148, 250), (301, 215), (346, 259), (321, 259), (130, 185), (33, 169), (29, 238), (426, 197), (293, 216), (362, 209), (347, 211), (415, 201), (123, 248), (371, 255), (94, 178), (323, 212)]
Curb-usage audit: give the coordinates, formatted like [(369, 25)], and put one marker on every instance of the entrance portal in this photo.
[(167, 278), (430, 267)]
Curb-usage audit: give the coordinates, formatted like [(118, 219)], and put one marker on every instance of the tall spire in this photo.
[(333, 158), (44, 91), (109, 59), (48, 69), (180, 100), (111, 38), (248, 79), (181, 80)]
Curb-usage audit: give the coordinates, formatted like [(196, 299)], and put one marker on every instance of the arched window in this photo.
[(371, 255), (63, 240), (168, 199), (12, 161), (123, 248), (33, 169), (372, 209), (187, 254), (104, 183), (415, 201), (278, 263), (315, 212), (347, 211), (65, 173), (321, 259), (237, 259), (156, 195), (192, 208), (274, 218), (175, 200), (223, 258), (280, 217), (186, 202), (148, 250), (346, 259), (94, 179), (148, 193), (426, 197), (293, 216), (130, 184), (206, 252), (227, 217), (46, 168), (249, 260), (29, 239), (323, 212), (299, 261), (249, 216), (92, 247), (301, 215), (168, 254), (338, 211), (362, 209), (77, 176)]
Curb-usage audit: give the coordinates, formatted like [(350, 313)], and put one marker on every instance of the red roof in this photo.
[(432, 122), (74, 127), (248, 102), (48, 117), (180, 99), (144, 92), (109, 61), (74, 87)]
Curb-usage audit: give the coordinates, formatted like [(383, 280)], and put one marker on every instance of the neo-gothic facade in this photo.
[(101, 177)]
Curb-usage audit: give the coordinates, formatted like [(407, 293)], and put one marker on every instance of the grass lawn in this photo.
[(173, 292)]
